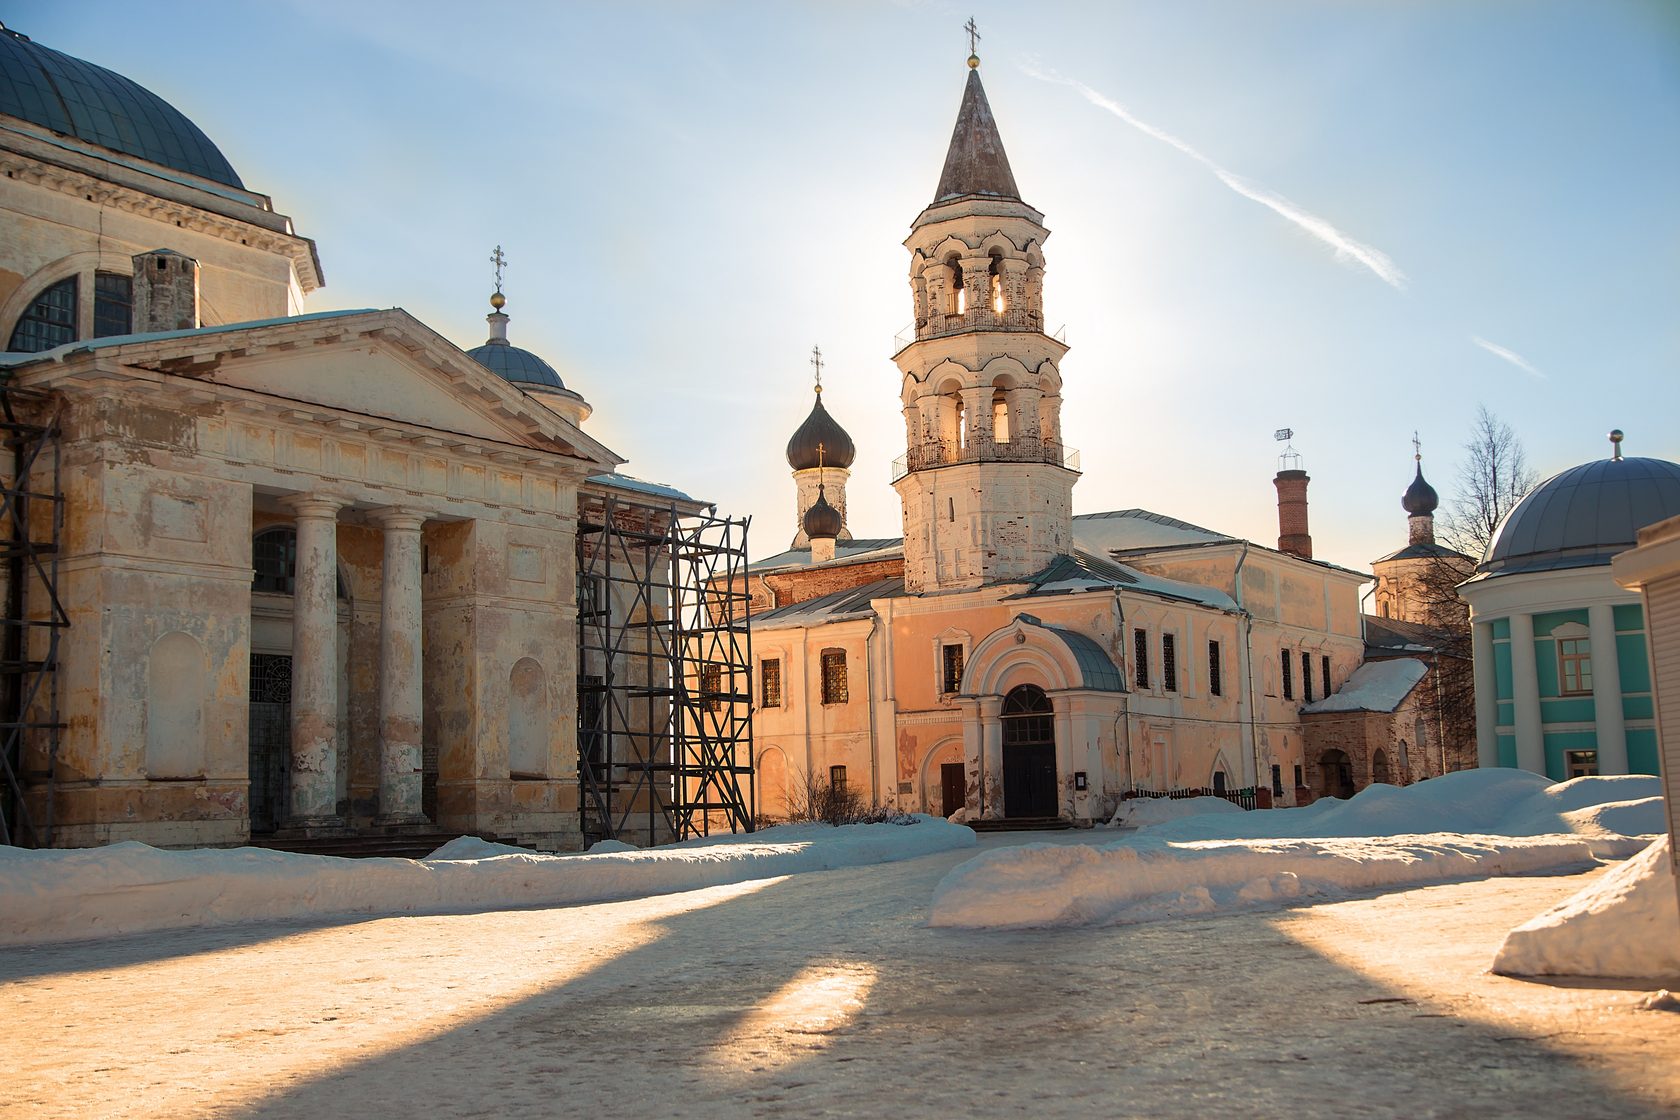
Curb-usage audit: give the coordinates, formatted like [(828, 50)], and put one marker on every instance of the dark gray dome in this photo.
[(1584, 516), (521, 367), (88, 102), (820, 428), (822, 521), (1420, 497)]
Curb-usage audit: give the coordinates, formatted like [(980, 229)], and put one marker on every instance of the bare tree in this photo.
[(1492, 478)]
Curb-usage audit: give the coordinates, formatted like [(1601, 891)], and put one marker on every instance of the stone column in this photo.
[(991, 758), (1525, 691), (400, 669), (1607, 690), (314, 778), (1487, 695)]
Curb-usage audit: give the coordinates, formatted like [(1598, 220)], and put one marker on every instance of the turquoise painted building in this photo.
[(1563, 676)]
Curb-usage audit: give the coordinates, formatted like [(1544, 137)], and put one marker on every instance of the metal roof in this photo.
[(836, 606), (1096, 669), (1584, 516), (511, 363), (77, 98), (820, 428), (976, 163)]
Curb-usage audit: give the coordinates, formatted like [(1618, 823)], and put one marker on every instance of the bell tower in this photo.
[(986, 483)]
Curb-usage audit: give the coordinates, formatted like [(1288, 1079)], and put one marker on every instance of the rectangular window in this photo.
[(1580, 764), (770, 682), (1216, 686), (1297, 777), (1169, 662), (1574, 666), (1324, 664), (952, 669), (113, 304), (1306, 676), (1219, 781), (1288, 675), (1140, 657), (1277, 781), (837, 778), (834, 676), (711, 686), (592, 595)]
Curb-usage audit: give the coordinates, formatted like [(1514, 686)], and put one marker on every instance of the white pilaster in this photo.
[(314, 776), (1487, 695), (1525, 689), (400, 710), (991, 758), (1607, 690)]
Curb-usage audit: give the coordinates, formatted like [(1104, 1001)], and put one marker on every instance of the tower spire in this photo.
[(976, 162)]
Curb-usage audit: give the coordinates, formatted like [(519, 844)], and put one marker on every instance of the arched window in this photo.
[(959, 297), (996, 273), (50, 320), (1000, 416), (274, 562), (1026, 716)]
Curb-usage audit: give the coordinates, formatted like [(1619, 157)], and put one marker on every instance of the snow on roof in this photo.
[(1084, 571), (640, 486), (88, 345), (1376, 686), (1123, 529), (836, 606), (871, 548)]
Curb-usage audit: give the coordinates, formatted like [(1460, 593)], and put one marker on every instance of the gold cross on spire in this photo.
[(500, 262), (817, 364), (973, 37), (1417, 447), (820, 450)]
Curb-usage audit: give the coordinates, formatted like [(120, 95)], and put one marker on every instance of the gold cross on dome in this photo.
[(817, 364), (500, 262), (973, 36), (1417, 447)]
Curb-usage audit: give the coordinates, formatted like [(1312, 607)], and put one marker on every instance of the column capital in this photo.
[(323, 506), (398, 518)]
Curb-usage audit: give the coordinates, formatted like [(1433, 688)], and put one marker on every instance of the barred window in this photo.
[(770, 682), (1215, 685), (1324, 666), (1288, 675), (1277, 780), (1306, 676), (1297, 775), (1140, 657), (953, 669), (834, 676), (1169, 662)]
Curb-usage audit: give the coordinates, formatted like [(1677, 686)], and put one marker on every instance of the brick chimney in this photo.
[(165, 292), (1292, 513)]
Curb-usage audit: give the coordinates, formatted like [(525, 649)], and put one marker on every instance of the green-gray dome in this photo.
[(95, 105), (511, 363)]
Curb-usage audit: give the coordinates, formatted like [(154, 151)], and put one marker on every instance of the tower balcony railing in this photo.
[(944, 453), (978, 319)]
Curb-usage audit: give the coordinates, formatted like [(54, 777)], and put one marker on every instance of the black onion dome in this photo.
[(1420, 497), (511, 363), (820, 428), (822, 521), (1584, 516), (96, 105)]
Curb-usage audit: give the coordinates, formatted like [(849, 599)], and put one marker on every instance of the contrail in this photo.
[(1346, 248), (1511, 356)]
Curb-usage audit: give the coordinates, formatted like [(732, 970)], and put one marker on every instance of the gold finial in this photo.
[(817, 364), (973, 44), (497, 299), (1616, 443)]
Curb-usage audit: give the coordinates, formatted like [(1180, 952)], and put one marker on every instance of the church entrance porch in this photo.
[(1029, 754)]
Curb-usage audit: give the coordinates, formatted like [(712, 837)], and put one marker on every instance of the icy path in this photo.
[(827, 994)]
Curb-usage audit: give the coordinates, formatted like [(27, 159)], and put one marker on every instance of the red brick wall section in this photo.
[(813, 583), (1292, 513)]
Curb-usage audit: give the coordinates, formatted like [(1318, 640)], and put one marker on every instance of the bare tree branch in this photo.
[(1492, 478)]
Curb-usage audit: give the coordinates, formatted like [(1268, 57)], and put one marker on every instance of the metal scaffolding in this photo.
[(664, 661), (31, 527)]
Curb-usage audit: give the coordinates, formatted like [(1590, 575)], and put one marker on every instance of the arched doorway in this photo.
[(1379, 765), (1029, 753), (1336, 772)]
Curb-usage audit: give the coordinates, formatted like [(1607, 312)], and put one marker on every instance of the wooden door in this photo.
[(953, 787)]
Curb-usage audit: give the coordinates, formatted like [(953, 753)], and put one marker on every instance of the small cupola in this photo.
[(520, 367), (820, 440)]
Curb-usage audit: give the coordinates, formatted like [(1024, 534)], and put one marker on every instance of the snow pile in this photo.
[(1376, 686), (126, 888), (1625, 924), (1141, 812), (1483, 822)]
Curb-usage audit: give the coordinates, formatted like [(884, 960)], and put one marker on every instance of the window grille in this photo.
[(1277, 780), (1169, 662), (113, 304), (1306, 677), (1140, 657), (1288, 675), (834, 676), (47, 322), (1216, 686), (1324, 675), (770, 682), (953, 669)]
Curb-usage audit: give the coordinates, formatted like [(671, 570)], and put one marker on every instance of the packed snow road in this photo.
[(827, 993)]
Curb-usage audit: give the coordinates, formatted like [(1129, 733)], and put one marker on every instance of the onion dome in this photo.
[(97, 106), (820, 442), (822, 521), (1420, 497), (1584, 516)]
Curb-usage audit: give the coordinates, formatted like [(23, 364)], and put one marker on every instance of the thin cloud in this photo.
[(1346, 248), (1511, 356)]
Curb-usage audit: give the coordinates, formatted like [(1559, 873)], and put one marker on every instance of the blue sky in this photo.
[(691, 195)]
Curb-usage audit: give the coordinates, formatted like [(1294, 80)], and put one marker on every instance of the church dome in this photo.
[(95, 105), (1584, 516), (1420, 497), (511, 363), (820, 428), (822, 521)]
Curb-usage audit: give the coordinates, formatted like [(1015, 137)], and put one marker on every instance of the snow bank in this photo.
[(1141, 812), (126, 888), (1480, 822), (1626, 924)]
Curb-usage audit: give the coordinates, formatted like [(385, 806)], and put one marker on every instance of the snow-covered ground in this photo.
[(1479, 822), (56, 895), (1140, 812)]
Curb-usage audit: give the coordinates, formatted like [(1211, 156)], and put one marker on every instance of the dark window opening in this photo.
[(711, 686), (1277, 781), (1306, 677), (1324, 672), (1140, 657), (274, 562), (834, 689), (1169, 662), (113, 304), (837, 778), (1288, 675), (1297, 775), (770, 682), (1219, 781), (953, 669), (1215, 685)]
